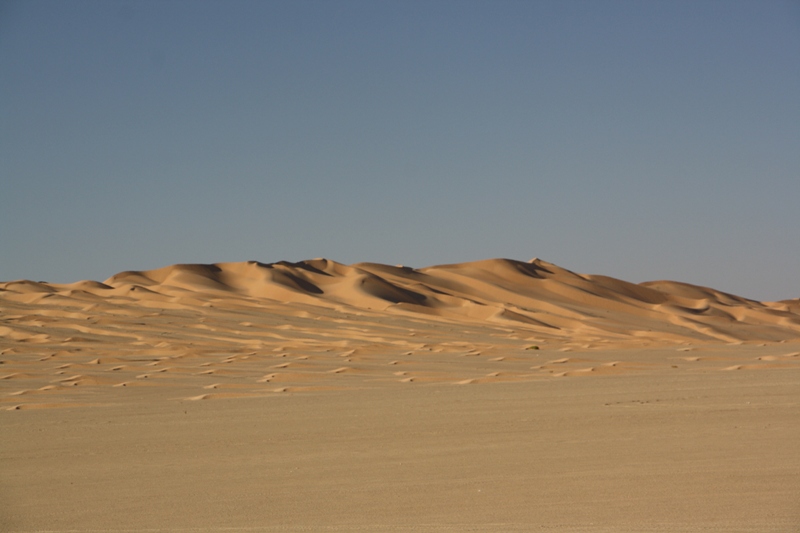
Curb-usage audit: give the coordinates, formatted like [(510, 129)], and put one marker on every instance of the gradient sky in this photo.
[(641, 140)]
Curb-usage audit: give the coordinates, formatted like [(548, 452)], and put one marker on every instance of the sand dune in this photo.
[(320, 323), (536, 296), (337, 339), (236, 319)]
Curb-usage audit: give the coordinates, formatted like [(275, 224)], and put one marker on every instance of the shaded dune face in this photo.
[(537, 296)]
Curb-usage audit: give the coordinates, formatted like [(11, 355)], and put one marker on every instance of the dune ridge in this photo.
[(250, 329), (537, 296)]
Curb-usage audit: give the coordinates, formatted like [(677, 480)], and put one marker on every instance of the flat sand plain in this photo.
[(314, 396)]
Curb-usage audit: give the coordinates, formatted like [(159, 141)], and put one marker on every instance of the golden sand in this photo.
[(489, 396)]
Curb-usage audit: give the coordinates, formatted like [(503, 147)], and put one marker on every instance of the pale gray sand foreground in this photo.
[(653, 451)]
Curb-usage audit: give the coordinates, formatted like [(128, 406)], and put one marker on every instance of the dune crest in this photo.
[(536, 295)]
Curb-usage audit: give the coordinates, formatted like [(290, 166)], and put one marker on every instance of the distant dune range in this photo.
[(535, 296), (244, 329)]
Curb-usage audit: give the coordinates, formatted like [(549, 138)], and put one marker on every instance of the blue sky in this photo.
[(642, 140)]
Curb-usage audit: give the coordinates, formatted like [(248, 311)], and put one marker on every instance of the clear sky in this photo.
[(641, 140)]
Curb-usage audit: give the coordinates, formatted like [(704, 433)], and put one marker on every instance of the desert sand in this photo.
[(495, 395)]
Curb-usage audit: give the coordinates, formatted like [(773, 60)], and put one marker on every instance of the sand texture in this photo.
[(495, 395)]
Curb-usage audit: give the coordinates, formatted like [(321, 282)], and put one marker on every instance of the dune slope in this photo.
[(536, 296)]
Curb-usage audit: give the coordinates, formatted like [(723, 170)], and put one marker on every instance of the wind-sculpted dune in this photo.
[(536, 297), (318, 324)]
